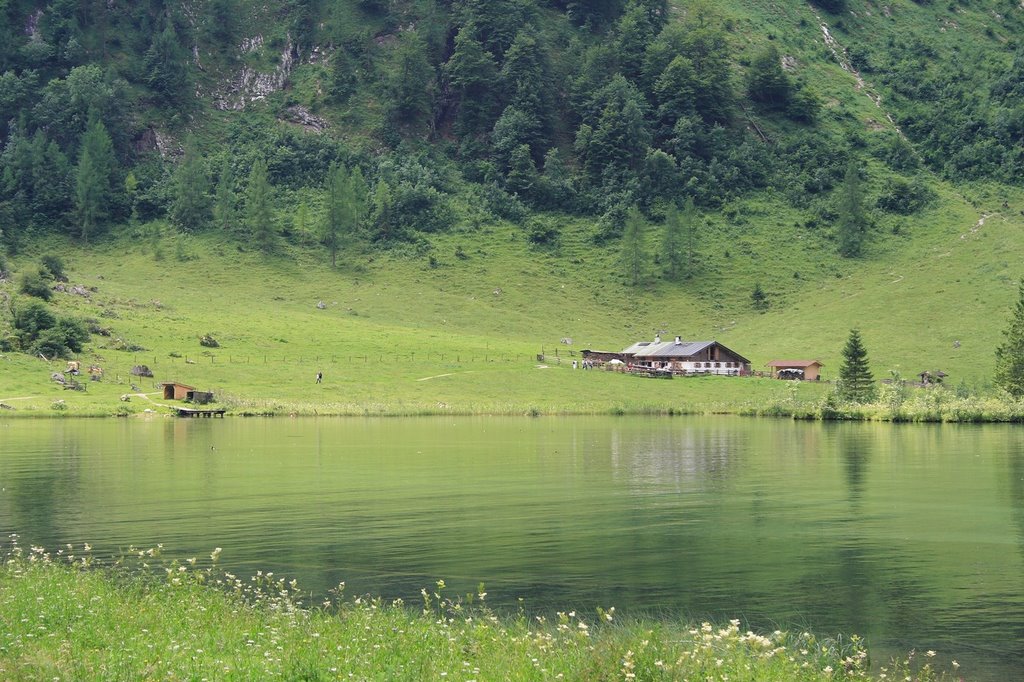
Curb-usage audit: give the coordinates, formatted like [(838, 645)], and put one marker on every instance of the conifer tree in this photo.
[(672, 243), (856, 383), (1010, 354), (634, 254), (258, 210), (166, 65), (191, 207), (680, 241), (522, 174), (334, 218), (852, 228), (412, 86), (224, 212), (93, 174), (473, 73)]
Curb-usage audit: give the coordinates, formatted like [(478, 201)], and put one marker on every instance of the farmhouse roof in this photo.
[(673, 349), (795, 363), (177, 383)]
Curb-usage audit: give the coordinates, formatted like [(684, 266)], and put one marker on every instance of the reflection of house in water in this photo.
[(688, 459)]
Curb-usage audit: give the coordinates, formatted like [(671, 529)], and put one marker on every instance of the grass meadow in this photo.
[(455, 325), (147, 617)]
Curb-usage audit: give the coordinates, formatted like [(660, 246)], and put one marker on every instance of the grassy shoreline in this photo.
[(770, 399), (145, 617)]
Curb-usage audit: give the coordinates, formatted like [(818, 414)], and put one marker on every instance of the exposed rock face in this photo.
[(302, 116), (250, 85), (151, 140)]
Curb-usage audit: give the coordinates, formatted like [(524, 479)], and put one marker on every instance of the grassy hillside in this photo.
[(400, 335)]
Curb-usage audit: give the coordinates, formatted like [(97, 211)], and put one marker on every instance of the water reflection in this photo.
[(903, 534)]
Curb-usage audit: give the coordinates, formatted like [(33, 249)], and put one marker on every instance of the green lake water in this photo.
[(912, 536)]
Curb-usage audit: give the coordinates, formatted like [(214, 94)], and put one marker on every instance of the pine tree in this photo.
[(856, 384), (258, 210), (191, 207), (1010, 354), (634, 254), (852, 228)]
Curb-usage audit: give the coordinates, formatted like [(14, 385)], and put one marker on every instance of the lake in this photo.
[(910, 535)]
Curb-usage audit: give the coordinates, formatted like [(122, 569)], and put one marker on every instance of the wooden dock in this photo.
[(190, 412)]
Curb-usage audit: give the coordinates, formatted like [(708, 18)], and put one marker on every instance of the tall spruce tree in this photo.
[(412, 85), (258, 211), (166, 66), (852, 228), (1010, 354), (473, 74), (856, 383)]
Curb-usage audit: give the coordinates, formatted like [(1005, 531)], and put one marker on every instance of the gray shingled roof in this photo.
[(671, 349)]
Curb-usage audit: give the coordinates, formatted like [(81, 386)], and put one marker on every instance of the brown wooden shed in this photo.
[(810, 370), (175, 391)]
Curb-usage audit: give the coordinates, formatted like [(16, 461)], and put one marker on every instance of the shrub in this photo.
[(543, 232), (33, 284), (53, 265), (906, 198), (40, 331)]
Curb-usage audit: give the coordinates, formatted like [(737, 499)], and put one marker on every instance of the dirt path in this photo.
[(980, 224)]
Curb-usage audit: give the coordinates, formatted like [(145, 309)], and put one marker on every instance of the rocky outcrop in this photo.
[(301, 116), (249, 85)]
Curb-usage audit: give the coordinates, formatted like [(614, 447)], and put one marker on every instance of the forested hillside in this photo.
[(660, 139)]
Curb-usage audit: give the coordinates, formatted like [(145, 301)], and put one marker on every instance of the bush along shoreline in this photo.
[(67, 615)]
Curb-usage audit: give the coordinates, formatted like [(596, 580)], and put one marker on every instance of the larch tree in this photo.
[(634, 254), (1010, 354), (225, 215), (334, 217), (191, 208), (679, 244), (856, 383), (96, 165), (258, 211)]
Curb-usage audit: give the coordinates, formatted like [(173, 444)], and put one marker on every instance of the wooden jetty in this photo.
[(190, 412)]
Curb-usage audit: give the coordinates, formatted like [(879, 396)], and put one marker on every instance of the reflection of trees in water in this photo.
[(1016, 466), (41, 490), (853, 445), (689, 459)]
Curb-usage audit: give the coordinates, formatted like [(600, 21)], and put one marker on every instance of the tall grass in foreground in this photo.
[(145, 618)]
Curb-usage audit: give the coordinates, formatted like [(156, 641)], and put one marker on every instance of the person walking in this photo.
[(319, 377)]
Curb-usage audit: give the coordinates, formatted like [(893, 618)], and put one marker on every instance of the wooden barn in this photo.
[(686, 357), (600, 357), (808, 370), (175, 391)]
